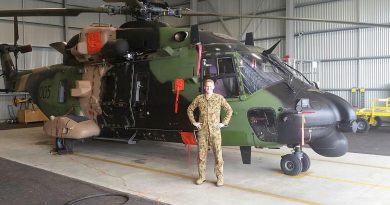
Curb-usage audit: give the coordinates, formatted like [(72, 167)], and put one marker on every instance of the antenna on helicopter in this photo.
[(270, 50), (249, 39)]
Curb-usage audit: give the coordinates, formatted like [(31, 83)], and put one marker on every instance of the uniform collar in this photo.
[(211, 97)]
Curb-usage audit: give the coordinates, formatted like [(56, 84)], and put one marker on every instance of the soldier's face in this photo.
[(209, 87)]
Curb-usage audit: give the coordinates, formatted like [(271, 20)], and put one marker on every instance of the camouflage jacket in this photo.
[(210, 110)]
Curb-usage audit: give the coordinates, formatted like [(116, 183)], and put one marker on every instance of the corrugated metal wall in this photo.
[(41, 31), (348, 56)]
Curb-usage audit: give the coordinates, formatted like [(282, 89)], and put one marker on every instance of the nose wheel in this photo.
[(295, 163)]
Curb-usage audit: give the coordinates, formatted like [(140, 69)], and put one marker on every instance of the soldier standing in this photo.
[(209, 127)]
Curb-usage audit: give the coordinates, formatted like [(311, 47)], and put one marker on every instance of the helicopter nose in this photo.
[(333, 145), (332, 142), (330, 111), (346, 115)]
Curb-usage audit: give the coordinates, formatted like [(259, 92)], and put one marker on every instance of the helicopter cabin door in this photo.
[(222, 71), (117, 96)]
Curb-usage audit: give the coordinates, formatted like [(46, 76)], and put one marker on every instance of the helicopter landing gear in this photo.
[(295, 163), (64, 145)]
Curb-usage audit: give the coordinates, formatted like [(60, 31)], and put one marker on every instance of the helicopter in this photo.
[(135, 82)]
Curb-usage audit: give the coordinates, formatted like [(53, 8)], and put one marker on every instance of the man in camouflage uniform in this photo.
[(209, 127)]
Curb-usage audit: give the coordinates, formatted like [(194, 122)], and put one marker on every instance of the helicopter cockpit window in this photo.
[(258, 73), (222, 71)]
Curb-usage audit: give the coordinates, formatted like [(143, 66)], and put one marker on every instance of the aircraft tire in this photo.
[(64, 146), (305, 162), (291, 165), (362, 125), (378, 123)]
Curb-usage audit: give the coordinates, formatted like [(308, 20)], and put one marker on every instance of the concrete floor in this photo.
[(161, 171)]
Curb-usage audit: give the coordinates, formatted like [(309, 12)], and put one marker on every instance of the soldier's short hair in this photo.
[(208, 81)]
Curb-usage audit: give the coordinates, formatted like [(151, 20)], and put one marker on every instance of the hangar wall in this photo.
[(347, 56), (41, 31)]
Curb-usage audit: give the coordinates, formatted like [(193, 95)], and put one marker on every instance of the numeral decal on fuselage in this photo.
[(44, 91)]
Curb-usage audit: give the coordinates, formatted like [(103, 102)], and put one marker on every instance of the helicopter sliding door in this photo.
[(223, 72), (116, 95)]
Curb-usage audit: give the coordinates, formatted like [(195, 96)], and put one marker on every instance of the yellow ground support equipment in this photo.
[(370, 117), (27, 114)]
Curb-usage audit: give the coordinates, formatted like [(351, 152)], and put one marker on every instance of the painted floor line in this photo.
[(344, 181), (250, 190), (324, 160)]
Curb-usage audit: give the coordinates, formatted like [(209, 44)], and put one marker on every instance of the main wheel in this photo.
[(362, 125), (64, 145), (377, 124), (291, 165), (305, 162)]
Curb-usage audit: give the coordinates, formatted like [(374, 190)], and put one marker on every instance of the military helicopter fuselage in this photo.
[(136, 82)]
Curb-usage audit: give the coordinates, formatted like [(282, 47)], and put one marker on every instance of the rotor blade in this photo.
[(16, 31), (51, 12), (190, 13), (24, 48), (131, 3)]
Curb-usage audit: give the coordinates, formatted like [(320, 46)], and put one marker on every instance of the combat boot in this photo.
[(200, 181), (220, 181)]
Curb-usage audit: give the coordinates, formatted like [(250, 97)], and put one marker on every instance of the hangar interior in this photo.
[(342, 59), (348, 60)]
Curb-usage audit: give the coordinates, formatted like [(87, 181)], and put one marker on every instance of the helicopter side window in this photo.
[(226, 84), (209, 68), (225, 65), (141, 93), (62, 85)]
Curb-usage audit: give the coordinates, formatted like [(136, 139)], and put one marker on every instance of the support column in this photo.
[(290, 29), (194, 7), (64, 22)]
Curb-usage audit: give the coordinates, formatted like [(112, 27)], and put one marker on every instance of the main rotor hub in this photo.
[(145, 11)]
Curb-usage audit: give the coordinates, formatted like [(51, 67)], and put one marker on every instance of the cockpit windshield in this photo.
[(257, 70), (258, 73)]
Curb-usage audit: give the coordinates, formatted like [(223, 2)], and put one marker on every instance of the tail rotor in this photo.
[(9, 69)]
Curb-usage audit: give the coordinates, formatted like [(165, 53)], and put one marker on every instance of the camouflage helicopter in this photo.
[(135, 83)]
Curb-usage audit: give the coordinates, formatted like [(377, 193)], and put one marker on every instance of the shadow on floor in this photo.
[(21, 184), (7, 126)]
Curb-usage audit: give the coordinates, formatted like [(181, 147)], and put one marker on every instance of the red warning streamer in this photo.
[(188, 139), (199, 46), (179, 86)]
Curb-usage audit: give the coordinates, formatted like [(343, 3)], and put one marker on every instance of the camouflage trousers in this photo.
[(212, 139)]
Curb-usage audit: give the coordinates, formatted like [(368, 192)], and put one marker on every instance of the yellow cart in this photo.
[(370, 117)]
